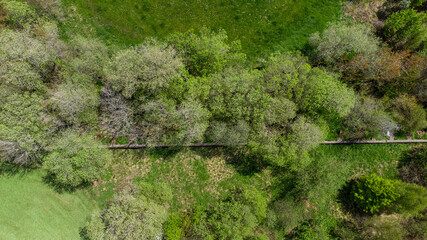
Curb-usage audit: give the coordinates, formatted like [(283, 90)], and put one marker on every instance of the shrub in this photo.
[(177, 226), (407, 29), (341, 40), (413, 165), (372, 193), (127, 217), (226, 220), (74, 160)]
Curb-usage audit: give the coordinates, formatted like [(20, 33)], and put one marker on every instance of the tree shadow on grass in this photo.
[(11, 169), (347, 204), (242, 161), (50, 180)]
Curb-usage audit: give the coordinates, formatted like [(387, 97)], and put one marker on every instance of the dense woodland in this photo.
[(65, 97)]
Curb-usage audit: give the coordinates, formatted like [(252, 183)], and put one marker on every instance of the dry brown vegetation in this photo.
[(364, 11)]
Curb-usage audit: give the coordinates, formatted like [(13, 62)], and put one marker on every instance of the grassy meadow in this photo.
[(31, 209), (262, 26)]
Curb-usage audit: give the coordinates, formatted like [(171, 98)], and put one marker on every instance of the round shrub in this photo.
[(372, 193), (74, 160)]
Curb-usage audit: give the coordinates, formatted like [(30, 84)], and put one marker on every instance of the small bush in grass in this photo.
[(75, 160), (373, 193)]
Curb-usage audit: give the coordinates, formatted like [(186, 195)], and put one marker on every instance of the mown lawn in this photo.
[(31, 209), (262, 26)]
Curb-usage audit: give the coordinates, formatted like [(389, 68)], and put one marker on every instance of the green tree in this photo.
[(341, 41), (373, 193), (74, 160), (25, 62), (368, 119), (207, 52), (407, 29), (408, 113), (128, 217), (77, 100), (90, 56), (146, 69), (23, 128), (283, 73), (163, 121), (323, 92), (237, 95)]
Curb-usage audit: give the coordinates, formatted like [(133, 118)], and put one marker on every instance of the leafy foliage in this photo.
[(74, 160), (372, 193), (412, 199)]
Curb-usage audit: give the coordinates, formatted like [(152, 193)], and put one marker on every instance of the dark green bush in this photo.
[(372, 193), (406, 29)]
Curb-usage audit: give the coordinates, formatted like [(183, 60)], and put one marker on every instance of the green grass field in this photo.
[(381, 159), (262, 26), (30, 209)]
